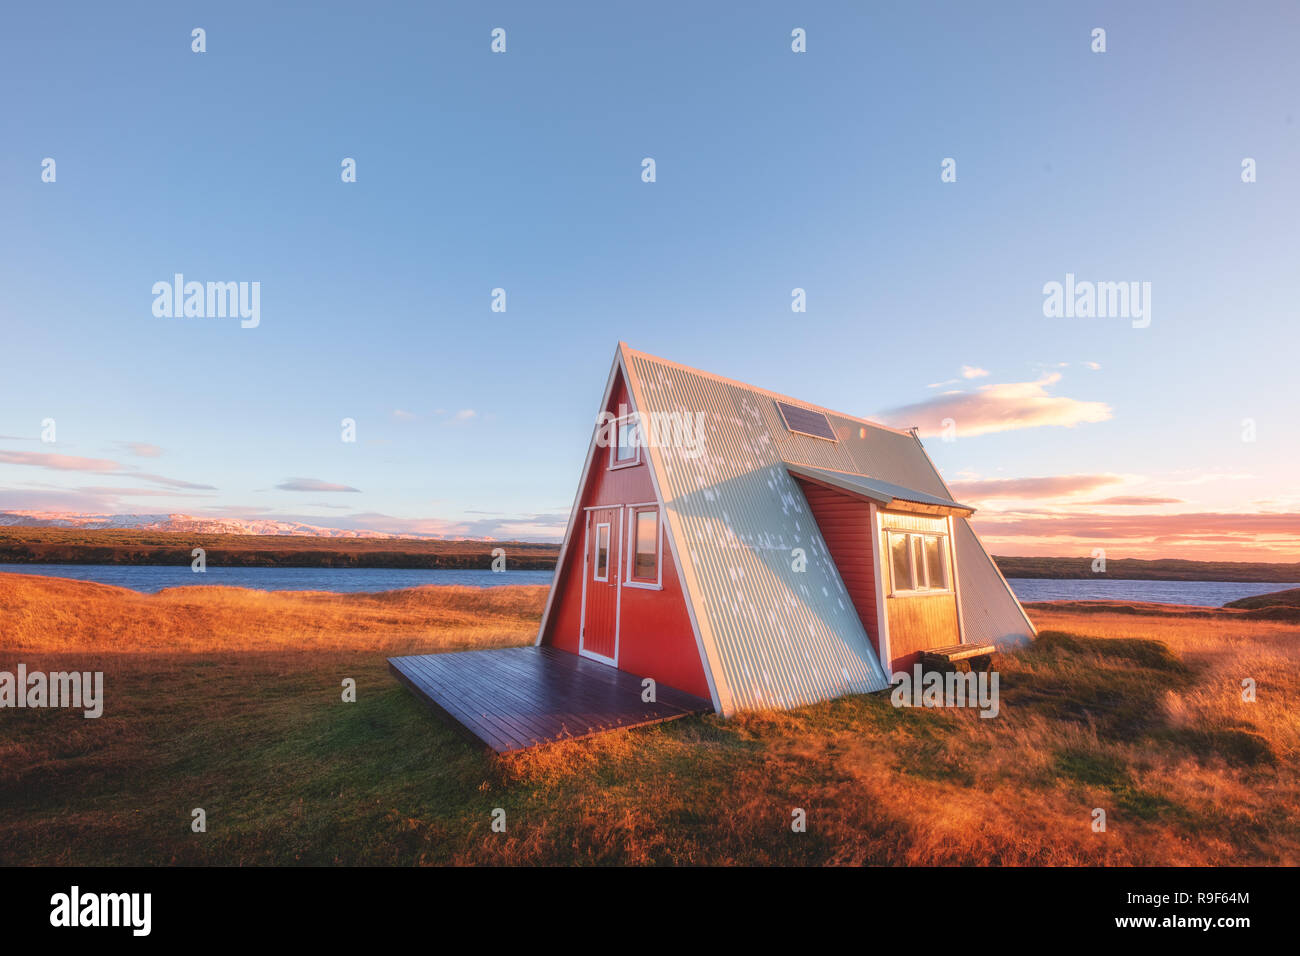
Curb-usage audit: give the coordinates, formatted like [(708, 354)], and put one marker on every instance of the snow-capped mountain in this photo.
[(188, 523)]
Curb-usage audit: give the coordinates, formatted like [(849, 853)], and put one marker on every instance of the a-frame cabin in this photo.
[(759, 551)]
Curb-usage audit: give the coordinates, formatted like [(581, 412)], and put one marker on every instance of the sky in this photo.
[(1171, 436)]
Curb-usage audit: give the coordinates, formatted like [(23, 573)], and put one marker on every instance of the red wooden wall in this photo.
[(655, 635), (845, 525)]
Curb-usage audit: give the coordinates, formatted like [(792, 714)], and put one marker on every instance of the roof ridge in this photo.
[(766, 391)]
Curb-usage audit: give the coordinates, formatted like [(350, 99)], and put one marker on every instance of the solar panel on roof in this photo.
[(806, 421)]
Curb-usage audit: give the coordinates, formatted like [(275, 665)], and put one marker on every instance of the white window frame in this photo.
[(616, 444), (609, 551), (632, 511), (894, 590)]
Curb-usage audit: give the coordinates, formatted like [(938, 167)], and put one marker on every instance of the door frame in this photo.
[(617, 582)]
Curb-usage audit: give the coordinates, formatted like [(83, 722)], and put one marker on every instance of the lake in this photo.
[(1204, 593), (150, 578)]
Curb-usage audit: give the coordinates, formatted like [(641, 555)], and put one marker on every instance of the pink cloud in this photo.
[(998, 408), (1136, 501), (135, 492), (1052, 486), (143, 449), (56, 462), (39, 459)]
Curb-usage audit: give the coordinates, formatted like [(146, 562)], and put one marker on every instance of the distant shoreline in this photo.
[(21, 545), (1137, 569)]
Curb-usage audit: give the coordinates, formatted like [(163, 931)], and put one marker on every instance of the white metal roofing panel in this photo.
[(990, 613), (882, 492), (776, 637)]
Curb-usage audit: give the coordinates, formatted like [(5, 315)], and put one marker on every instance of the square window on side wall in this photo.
[(645, 546)]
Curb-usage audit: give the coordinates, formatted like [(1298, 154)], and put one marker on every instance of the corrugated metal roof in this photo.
[(773, 636), (990, 613), (884, 493)]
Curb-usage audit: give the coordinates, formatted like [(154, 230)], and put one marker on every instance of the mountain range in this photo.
[(192, 525)]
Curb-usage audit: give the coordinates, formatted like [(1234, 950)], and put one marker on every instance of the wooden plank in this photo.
[(959, 652), (548, 711), (460, 688), (463, 721), (467, 685), (503, 700), (498, 734), (919, 622), (591, 707), (559, 693)]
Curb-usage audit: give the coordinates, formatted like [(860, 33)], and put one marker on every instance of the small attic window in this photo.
[(806, 421), (625, 449)]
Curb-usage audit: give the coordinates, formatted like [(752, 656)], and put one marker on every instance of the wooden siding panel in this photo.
[(845, 524), (901, 521), (918, 623)]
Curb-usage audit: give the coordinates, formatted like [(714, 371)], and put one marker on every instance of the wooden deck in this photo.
[(517, 697)]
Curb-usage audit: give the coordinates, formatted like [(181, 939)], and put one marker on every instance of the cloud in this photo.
[(312, 484), (1053, 486), (85, 501), (970, 371), (404, 416), (1092, 365), (136, 492), (1208, 477), (237, 511), (465, 414), (521, 527), (1270, 534), (998, 408), (142, 449), (101, 466), (170, 482), (38, 459), (1136, 500)]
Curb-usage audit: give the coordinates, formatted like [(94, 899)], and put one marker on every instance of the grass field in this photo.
[(230, 700)]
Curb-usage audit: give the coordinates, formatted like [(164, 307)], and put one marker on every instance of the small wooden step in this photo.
[(978, 656), (959, 652)]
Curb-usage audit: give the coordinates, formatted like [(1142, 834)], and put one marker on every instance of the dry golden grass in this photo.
[(61, 615), (1225, 649), (228, 699)]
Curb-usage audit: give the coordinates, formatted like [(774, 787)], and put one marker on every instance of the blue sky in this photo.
[(775, 170)]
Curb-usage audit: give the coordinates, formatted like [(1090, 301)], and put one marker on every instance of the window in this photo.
[(601, 564), (645, 547), (918, 562), (901, 563), (626, 449), (936, 569)]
